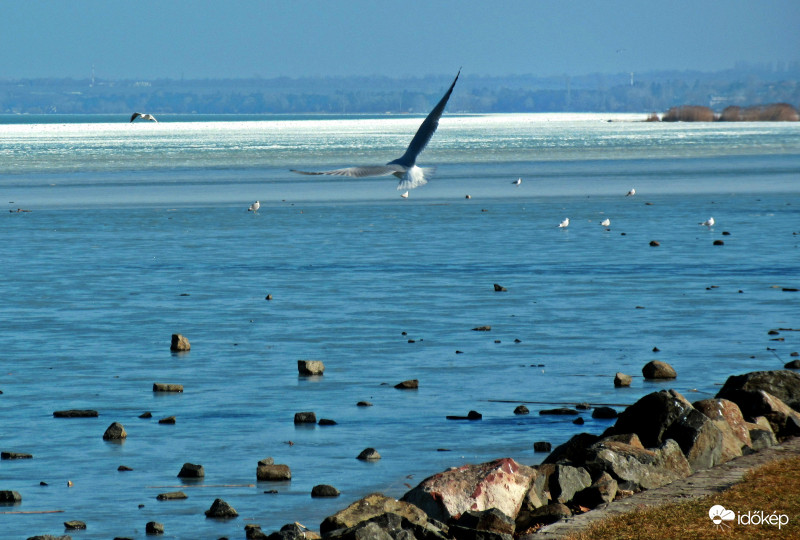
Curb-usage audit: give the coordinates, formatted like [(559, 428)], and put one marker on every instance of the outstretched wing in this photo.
[(357, 172), (426, 130), (135, 115)]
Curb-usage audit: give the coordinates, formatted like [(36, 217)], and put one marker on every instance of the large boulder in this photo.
[(573, 451), (543, 515), (699, 439), (290, 531), (784, 421), (371, 506), (728, 418), (652, 416), (636, 468), (564, 481), (603, 490), (783, 384), (501, 484), (491, 524), (386, 526)]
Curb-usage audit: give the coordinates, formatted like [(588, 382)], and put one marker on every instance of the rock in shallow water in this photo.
[(559, 411), (542, 446), (604, 412), (10, 497), (310, 367), (191, 470), (324, 490), (167, 387), (273, 473), (655, 369), (369, 454), (307, 417), (172, 496), (76, 413), (153, 527), (15, 455), (179, 343), (622, 380), (221, 510), (115, 432)]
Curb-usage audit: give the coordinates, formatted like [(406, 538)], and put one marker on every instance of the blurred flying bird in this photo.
[(404, 167), (145, 116)]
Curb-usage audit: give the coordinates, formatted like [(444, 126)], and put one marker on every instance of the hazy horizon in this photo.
[(202, 39)]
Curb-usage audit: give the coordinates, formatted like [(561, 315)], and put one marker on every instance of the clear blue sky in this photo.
[(144, 39)]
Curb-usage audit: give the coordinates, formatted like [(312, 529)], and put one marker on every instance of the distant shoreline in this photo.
[(773, 112)]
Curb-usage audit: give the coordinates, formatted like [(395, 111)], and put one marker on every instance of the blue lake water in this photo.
[(138, 231)]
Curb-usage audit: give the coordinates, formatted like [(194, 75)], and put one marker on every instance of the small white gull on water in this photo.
[(404, 195), (517, 182), (145, 116), (254, 207), (564, 224), (708, 223), (405, 167), (631, 193), (606, 222)]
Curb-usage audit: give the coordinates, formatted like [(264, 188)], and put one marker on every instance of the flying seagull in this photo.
[(564, 224), (145, 116), (254, 207), (405, 167)]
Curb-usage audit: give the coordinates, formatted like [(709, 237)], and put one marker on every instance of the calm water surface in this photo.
[(136, 232)]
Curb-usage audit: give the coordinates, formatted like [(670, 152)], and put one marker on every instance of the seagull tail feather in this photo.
[(415, 177)]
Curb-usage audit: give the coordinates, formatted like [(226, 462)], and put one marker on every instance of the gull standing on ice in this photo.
[(564, 224), (606, 223), (254, 207), (631, 193), (517, 182), (708, 223), (405, 167), (145, 116)]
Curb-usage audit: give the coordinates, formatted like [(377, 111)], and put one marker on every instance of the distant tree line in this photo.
[(656, 91)]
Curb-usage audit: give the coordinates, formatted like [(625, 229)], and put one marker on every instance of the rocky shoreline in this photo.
[(658, 441)]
